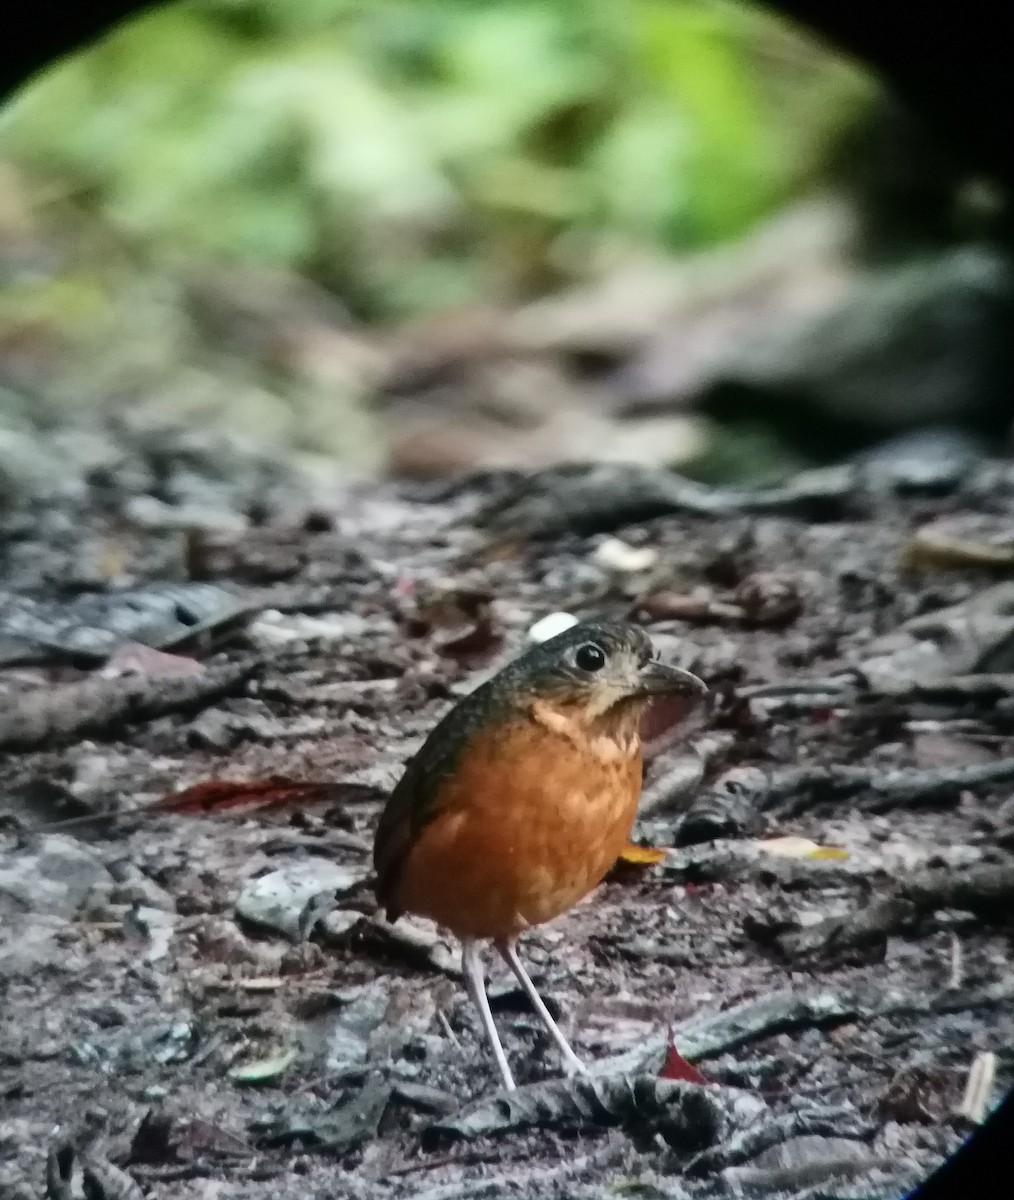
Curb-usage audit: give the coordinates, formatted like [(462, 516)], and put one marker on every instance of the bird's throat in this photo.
[(613, 736)]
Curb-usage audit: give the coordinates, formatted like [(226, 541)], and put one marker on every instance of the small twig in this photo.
[(957, 975), (777, 688), (60, 714), (344, 1074), (969, 726), (800, 704), (957, 687), (851, 687), (417, 945), (445, 1025), (794, 789), (602, 497), (979, 1088), (674, 788), (536, 1181)]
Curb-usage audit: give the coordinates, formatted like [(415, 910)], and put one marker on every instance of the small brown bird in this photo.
[(522, 798)]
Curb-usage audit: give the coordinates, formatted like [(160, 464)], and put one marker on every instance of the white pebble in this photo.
[(550, 626), (618, 556)]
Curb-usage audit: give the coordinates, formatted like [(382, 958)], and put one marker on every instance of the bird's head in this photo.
[(602, 673)]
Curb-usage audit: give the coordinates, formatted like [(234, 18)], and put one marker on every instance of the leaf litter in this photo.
[(334, 1054)]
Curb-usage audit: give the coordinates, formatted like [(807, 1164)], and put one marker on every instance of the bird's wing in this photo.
[(416, 800)]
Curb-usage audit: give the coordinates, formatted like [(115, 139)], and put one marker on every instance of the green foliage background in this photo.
[(411, 154)]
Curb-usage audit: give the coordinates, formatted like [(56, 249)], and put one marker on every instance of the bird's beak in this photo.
[(660, 679), (673, 694)]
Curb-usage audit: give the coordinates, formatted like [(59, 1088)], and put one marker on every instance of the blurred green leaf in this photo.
[(694, 56), (404, 151)]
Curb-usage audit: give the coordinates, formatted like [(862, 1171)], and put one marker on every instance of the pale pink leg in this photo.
[(471, 967), (509, 952)]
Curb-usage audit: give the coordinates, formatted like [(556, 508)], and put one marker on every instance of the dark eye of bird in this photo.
[(589, 657)]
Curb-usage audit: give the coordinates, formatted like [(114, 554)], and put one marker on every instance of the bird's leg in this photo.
[(509, 953), (471, 968)]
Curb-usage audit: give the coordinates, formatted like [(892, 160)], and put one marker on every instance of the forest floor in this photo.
[(168, 1029)]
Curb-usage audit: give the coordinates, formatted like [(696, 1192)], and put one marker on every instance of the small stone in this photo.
[(616, 555), (549, 626), (56, 878)]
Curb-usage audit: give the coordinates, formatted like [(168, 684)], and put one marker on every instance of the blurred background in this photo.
[(426, 236)]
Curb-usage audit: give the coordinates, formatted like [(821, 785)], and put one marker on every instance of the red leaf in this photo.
[(677, 1067), (217, 795)]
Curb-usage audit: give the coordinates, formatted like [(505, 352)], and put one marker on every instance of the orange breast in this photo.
[(528, 825)]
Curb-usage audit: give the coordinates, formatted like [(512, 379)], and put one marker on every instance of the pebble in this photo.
[(617, 556), (57, 878), (549, 626)]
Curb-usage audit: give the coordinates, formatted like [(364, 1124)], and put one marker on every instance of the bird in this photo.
[(522, 798)]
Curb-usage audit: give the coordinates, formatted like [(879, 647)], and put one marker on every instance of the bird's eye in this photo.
[(589, 657)]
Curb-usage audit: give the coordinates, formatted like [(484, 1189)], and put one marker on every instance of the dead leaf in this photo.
[(762, 601), (699, 607), (688, 1117), (99, 1179), (642, 856), (928, 551), (974, 636), (918, 1094), (799, 847), (294, 898), (337, 1130), (198, 1137), (262, 983), (91, 626), (460, 620), (265, 1070), (769, 600)]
